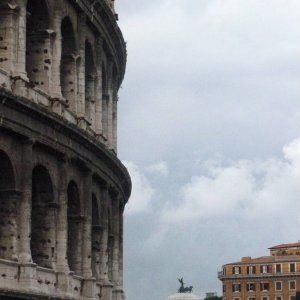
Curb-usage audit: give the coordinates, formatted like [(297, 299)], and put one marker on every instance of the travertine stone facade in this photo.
[(62, 187)]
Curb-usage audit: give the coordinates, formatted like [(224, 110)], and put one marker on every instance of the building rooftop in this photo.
[(266, 259), (292, 245)]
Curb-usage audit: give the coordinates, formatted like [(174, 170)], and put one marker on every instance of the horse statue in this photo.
[(182, 288)]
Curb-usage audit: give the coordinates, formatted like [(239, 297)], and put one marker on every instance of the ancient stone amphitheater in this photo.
[(62, 187)]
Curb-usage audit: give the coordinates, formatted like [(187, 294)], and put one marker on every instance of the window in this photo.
[(293, 267), (292, 284), (251, 287), (251, 298), (278, 298), (278, 268), (236, 270), (224, 271), (264, 286), (292, 297), (264, 298), (278, 285), (264, 269), (236, 298), (224, 288), (236, 287), (251, 270)]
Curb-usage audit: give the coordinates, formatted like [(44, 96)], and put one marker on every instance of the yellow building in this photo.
[(273, 277)]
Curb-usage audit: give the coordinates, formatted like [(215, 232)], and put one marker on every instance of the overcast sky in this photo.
[(209, 128)]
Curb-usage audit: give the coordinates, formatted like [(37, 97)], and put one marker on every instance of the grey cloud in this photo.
[(205, 79)]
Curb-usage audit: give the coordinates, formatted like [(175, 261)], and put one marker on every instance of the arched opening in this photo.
[(96, 237), (89, 84), (105, 100), (38, 44), (8, 209), (68, 64), (43, 219), (74, 228)]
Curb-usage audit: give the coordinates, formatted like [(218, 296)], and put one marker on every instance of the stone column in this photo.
[(89, 283), (121, 230), (62, 267), (62, 222), (81, 70), (116, 224), (27, 277), (98, 88), (105, 284), (87, 225), (117, 289), (8, 36), (56, 55), (90, 100), (20, 69), (110, 108), (25, 204), (115, 122)]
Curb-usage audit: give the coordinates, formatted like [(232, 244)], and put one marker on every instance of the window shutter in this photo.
[(233, 270), (239, 270), (268, 269), (261, 286), (253, 269), (248, 268), (261, 269)]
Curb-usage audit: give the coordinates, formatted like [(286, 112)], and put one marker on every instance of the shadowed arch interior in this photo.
[(7, 178), (43, 240), (38, 44), (74, 228), (8, 209), (96, 237), (68, 64)]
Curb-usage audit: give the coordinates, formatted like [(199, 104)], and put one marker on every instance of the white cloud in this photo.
[(142, 192), (248, 189), (160, 168)]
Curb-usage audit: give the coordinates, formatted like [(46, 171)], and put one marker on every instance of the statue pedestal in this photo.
[(183, 296)]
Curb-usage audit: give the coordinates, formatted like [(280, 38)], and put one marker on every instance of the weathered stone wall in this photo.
[(62, 188), (60, 54)]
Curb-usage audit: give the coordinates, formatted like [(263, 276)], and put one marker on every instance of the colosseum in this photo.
[(62, 187)]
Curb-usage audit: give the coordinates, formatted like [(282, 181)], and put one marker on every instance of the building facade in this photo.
[(273, 277), (62, 187)]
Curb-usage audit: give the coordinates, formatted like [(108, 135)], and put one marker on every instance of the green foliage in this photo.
[(219, 298)]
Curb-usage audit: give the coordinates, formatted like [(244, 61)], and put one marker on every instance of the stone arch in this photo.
[(43, 215), (68, 64), (74, 228), (8, 209), (90, 73), (38, 44)]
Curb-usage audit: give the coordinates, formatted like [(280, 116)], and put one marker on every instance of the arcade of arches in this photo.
[(62, 187), (55, 57)]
